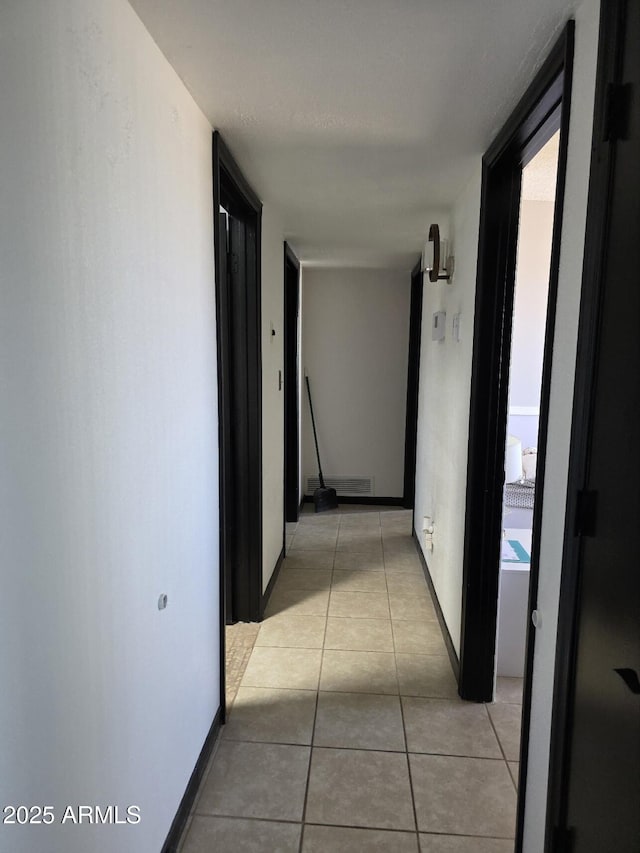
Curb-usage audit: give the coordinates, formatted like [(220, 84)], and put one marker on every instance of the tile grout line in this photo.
[(395, 662), (315, 713), (362, 692), (403, 751), (406, 742), (504, 756), (413, 797), (231, 816), (376, 828), (308, 779), (393, 642)]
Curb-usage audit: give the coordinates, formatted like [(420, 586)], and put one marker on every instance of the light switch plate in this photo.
[(438, 326)]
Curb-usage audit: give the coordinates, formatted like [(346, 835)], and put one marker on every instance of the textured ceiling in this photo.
[(361, 120)]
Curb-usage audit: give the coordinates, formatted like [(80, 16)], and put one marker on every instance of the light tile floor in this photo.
[(346, 733), (239, 642)]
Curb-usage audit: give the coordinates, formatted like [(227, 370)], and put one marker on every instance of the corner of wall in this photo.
[(272, 277), (443, 408)]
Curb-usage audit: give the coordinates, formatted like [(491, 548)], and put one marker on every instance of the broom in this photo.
[(323, 498)]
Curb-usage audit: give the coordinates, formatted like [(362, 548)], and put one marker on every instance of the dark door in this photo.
[(235, 568), (603, 777), (237, 231), (227, 541), (413, 377), (291, 382)]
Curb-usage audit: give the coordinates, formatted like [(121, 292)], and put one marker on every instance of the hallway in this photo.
[(346, 733), (148, 467)]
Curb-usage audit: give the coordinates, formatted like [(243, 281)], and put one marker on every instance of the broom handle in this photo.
[(315, 437)]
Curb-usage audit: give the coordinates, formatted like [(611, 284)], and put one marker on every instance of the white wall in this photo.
[(529, 318), (560, 407), (108, 425), (444, 412), (272, 397), (530, 304), (355, 343), (443, 406)]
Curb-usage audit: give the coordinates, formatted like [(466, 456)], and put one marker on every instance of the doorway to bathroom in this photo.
[(529, 323), (540, 119), (533, 262)]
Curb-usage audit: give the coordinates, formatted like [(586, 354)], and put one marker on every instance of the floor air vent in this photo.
[(348, 486)]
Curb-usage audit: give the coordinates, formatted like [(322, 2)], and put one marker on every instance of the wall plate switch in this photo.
[(438, 326)]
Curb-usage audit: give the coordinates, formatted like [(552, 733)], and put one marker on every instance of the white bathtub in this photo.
[(513, 597)]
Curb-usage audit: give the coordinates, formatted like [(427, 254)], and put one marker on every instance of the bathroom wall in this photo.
[(529, 318)]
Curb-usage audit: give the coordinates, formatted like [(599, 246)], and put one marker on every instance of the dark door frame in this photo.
[(239, 400), (413, 383), (291, 385), (535, 120), (544, 109), (609, 84)]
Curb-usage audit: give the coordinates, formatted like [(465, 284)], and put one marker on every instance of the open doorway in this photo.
[(542, 113), (530, 311), (237, 233), (413, 381), (291, 385), (533, 262), (541, 116)]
